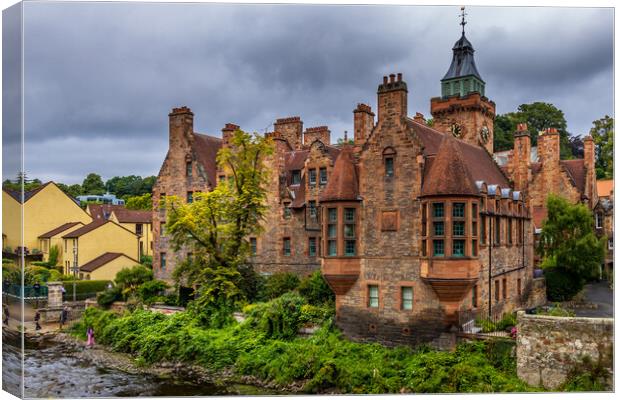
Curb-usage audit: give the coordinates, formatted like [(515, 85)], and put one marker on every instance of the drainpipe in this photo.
[(490, 259)]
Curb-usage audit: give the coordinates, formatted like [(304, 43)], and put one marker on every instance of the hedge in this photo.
[(562, 285), (83, 287)]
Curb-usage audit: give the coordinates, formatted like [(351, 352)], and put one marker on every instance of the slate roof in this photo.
[(58, 230), (577, 172), (343, 182), (206, 148), (479, 164), (463, 63), (85, 229), (448, 173), (102, 260), (133, 216)]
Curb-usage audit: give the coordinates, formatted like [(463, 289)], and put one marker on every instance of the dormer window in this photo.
[(312, 177), (296, 177)]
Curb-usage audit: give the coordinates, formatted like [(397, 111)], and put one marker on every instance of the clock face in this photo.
[(484, 134), (456, 130)]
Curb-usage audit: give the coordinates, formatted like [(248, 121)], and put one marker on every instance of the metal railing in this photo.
[(481, 323), (30, 292)]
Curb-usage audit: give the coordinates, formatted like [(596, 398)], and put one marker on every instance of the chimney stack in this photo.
[(227, 133), (363, 122), (181, 127), (589, 163), (392, 98), (521, 158), (290, 129)]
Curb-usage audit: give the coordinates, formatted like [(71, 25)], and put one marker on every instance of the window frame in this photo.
[(287, 250), (322, 176), (370, 297), (296, 177), (312, 177), (403, 300)]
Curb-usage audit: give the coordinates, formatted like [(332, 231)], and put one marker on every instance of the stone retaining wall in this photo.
[(549, 347)]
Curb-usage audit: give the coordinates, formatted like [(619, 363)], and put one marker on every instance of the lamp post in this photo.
[(75, 267)]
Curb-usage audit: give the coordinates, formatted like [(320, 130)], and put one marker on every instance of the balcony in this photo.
[(451, 279), (341, 273)]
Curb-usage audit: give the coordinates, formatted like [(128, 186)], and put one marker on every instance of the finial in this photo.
[(462, 15), (346, 140)]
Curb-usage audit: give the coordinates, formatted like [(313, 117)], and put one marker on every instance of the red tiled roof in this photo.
[(299, 193), (295, 159), (448, 174), (58, 230), (133, 216), (206, 148), (103, 260), (604, 187), (343, 182), (577, 171), (479, 162), (85, 229)]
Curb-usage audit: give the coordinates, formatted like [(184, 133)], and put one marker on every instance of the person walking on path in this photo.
[(90, 334), (37, 318), (63, 316), (5, 309)]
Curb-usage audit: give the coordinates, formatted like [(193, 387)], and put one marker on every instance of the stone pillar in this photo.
[(54, 294)]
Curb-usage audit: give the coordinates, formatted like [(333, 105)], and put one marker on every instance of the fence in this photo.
[(30, 292), (479, 322)]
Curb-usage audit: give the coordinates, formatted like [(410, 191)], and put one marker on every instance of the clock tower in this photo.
[(463, 110)]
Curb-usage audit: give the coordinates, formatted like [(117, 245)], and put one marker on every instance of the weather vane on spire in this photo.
[(462, 15)]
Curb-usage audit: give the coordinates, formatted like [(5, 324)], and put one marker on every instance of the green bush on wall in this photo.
[(562, 285), (83, 287)]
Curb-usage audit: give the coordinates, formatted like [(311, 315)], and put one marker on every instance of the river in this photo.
[(54, 369)]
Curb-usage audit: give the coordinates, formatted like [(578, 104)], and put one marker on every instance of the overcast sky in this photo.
[(101, 78)]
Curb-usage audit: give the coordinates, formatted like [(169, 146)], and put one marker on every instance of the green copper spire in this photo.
[(462, 77)]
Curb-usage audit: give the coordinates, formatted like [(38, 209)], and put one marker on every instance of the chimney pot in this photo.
[(400, 77), (385, 80), (392, 76)]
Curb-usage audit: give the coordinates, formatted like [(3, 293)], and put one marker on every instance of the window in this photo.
[(139, 229), (474, 296), (287, 210), (323, 176), (504, 289), (483, 230), (599, 220), (424, 210), (509, 230), (519, 286), (222, 178), (458, 210), (141, 251), (438, 248), (474, 248), (162, 229), (253, 246), (474, 210), (286, 248), (610, 243), (406, 298), (349, 231), (497, 290), (458, 228), (438, 210), (190, 197), (373, 296), (66, 245), (389, 166), (312, 208), (423, 248), (296, 177), (519, 233), (332, 231), (458, 248), (312, 247), (188, 169), (162, 261), (438, 228), (498, 221), (312, 177)]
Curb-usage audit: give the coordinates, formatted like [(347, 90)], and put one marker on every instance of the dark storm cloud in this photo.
[(102, 77)]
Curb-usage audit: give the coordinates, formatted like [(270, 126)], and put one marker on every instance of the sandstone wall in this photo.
[(549, 347)]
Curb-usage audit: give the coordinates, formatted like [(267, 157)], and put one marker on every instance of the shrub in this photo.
[(52, 259), (278, 284), (316, 290), (39, 264), (147, 261), (251, 283), (130, 278), (587, 376), (279, 318), (556, 311), (562, 285), (85, 287), (109, 296), (34, 274), (152, 291)]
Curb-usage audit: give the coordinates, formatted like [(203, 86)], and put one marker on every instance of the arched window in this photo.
[(389, 156)]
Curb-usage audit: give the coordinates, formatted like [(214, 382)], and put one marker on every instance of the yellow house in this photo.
[(106, 266), (139, 222), (44, 209), (54, 238), (93, 240)]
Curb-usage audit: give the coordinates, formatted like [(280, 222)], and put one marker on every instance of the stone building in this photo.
[(412, 226), (604, 222)]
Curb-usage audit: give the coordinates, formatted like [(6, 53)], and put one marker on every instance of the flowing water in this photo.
[(56, 370)]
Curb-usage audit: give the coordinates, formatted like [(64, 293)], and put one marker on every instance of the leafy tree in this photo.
[(216, 224), (430, 122), (144, 202), (16, 185), (538, 116), (568, 240), (132, 185), (603, 134), (93, 184), (151, 291), (52, 260), (316, 290), (278, 284), (129, 279), (72, 190), (342, 141), (576, 146)]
